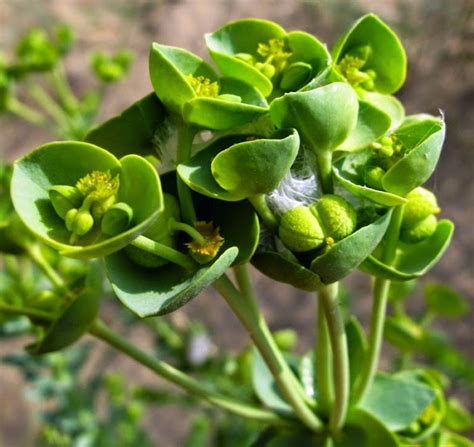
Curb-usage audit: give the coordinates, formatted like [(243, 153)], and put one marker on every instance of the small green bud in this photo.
[(117, 219), (63, 198), (337, 216), (246, 57), (421, 203), (373, 177), (229, 97), (421, 230), (286, 339), (300, 230), (295, 76)]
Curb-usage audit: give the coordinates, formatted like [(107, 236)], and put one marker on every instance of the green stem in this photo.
[(168, 372), (49, 105), (262, 337), (24, 112), (35, 253), (63, 89), (337, 336), (32, 313), (323, 364), (324, 165), (164, 251), (379, 309), (260, 204), (186, 136), (189, 230)]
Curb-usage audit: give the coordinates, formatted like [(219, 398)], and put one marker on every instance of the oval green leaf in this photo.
[(388, 58), (148, 292), (133, 131), (324, 117), (256, 167), (413, 260)]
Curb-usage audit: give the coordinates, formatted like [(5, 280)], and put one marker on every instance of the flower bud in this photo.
[(421, 230), (267, 70), (117, 219), (63, 198), (421, 203), (300, 230), (337, 216), (295, 76)]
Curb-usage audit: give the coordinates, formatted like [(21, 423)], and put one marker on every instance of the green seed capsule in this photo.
[(421, 203), (79, 221), (267, 70), (300, 230), (373, 177), (337, 216), (421, 230), (63, 198), (286, 339), (117, 219), (295, 76)]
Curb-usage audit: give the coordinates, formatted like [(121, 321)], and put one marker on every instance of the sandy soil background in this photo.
[(438, 36)]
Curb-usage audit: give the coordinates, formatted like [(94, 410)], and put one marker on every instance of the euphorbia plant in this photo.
[(310, 171)]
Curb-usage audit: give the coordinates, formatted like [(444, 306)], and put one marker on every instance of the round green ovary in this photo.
[(421, 230), (421, 204), (300, 230), (338, 217)]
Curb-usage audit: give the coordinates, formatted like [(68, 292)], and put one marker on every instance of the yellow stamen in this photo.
[(203, 86), (99, 185), (212, 237)]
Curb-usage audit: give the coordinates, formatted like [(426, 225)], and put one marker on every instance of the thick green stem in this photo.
[(324, 166), (24, 112), (337, 336), (262, 337), (379, 308), (187, 383), (260, 204), (164, 251), (186, 136), (35, 253), (323, 364)]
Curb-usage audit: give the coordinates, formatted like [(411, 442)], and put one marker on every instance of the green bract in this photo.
[(65, 164), (323, 117), (371, 56), (239, 167), (189, 87), (331, 266), (387, 171), (263, 54)]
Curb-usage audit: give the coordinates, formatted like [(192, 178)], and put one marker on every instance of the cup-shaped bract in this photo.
[(189, 87), (66, 163), (333, 264), (238, 167), (370, 55), (414, 148), (324, 117), (261, 53)]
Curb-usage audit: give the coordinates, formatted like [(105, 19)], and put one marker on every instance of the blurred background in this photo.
[(439, 39)]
